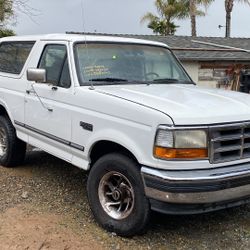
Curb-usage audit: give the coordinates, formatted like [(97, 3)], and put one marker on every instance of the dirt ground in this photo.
[(43, 205), (23, 230)]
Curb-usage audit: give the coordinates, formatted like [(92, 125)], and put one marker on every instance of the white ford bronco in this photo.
[(126, 111)]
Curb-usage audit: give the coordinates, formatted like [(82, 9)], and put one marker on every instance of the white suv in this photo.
[(127, 111)]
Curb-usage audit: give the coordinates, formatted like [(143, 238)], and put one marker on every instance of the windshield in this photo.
[(105, 63)]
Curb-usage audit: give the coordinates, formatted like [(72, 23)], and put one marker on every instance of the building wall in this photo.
[(193, 69), (202, 76)]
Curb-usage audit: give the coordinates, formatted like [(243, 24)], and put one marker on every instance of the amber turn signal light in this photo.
[(180, 153)]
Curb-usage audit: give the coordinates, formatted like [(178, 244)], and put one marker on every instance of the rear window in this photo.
[(13, 56)]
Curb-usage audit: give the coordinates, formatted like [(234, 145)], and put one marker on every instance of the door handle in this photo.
[(54, 88), (30, 91)]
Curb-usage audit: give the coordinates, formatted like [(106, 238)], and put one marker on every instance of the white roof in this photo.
[(80, 37)]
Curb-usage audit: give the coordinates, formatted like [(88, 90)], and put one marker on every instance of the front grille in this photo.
[(229, 142)]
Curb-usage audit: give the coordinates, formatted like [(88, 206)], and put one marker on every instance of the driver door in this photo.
[(47, 109)]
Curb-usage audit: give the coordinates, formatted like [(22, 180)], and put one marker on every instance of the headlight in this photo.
[(190, 139), (181, 144)]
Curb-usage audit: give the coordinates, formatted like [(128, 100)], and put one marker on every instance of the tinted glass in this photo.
[(13, 56)]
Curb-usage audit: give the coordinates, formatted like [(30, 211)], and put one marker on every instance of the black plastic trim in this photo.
[(182, 209), (50, 136), (195, 187)]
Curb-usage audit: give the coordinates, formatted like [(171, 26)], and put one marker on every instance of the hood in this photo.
[(186, 104)]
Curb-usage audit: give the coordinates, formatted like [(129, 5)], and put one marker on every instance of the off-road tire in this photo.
[(14, 149), (138, 216)]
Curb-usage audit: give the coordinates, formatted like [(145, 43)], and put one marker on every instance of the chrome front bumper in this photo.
[(198, 187)]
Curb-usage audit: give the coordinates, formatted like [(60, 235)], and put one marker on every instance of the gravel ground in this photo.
[(43, 205)]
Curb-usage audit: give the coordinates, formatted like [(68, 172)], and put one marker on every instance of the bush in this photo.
[(6, 32)]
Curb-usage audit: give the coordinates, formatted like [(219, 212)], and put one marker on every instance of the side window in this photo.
[(13, 56), (65, 81), (54, 59)]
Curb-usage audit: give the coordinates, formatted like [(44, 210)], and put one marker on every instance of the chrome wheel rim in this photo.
[(116, 195), (3, 142)]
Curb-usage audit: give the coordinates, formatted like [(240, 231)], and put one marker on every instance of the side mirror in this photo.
[(36, 75)]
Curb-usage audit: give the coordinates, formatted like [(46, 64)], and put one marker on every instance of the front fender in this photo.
[(118, 137)]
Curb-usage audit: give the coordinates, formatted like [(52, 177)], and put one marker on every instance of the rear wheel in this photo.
[(116, 195), (12, 150)]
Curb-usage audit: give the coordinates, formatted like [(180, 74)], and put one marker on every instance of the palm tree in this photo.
[(193, 6), (229, 4), (168, 11)]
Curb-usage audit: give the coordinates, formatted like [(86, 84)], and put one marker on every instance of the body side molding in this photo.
[(50, 136)]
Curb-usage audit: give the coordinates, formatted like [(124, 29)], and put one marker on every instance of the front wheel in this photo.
[(12, 150), (116, 195)]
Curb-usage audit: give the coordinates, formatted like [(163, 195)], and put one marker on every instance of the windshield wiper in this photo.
[(114, 81), (172, 80), (108, 79), (166, 80)]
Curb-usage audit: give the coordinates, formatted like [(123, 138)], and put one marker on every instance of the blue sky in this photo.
[(122, 16)]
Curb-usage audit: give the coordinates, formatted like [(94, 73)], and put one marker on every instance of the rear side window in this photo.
[(13, 56)]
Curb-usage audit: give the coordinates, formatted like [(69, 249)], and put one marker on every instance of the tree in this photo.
[(9, 10), (6, 10), (6, 32), (8, 13), (229, 4), (168, 11), (193, 6)]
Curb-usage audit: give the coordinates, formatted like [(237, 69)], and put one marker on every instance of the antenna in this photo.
[(83, 16), (85, 37)]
